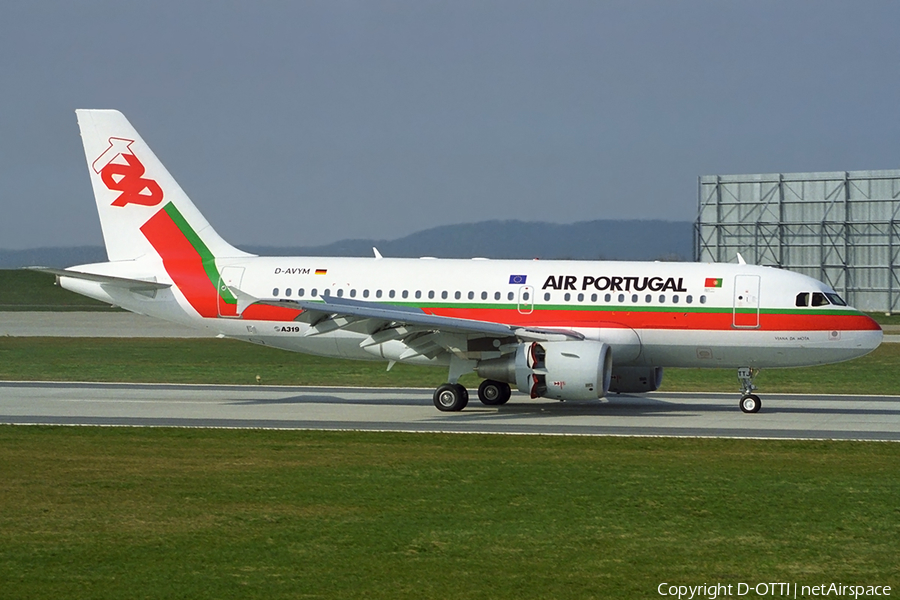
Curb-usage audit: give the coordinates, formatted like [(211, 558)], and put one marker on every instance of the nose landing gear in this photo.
[(750, 402)]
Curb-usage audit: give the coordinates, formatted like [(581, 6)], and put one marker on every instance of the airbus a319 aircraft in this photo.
[(567, 330)]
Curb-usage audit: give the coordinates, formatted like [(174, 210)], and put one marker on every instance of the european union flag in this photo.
[(518, 279)]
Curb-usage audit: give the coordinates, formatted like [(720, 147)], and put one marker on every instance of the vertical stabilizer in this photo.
[(143, 210)]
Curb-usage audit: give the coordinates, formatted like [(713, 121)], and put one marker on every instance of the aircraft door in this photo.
[(526, 300), (746, 301), (225, 300)]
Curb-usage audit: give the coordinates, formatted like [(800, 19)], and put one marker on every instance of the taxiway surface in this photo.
[(379, 409)]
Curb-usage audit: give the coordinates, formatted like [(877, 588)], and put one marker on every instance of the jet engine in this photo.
[(576, 370), (633, 380)]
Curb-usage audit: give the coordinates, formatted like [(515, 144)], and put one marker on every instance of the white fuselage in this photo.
[(652, 314)]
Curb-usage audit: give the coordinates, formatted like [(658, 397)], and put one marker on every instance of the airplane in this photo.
[(564, 330)]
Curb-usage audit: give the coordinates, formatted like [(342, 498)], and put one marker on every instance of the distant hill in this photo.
[(51, 257), (591, 240)]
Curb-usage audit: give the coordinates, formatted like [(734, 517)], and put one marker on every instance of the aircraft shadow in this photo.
[(327, 399), (619, 406)]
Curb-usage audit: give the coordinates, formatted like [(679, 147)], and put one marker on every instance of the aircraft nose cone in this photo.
[(870, 337)]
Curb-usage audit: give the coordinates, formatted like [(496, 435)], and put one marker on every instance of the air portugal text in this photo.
[(615, 284)]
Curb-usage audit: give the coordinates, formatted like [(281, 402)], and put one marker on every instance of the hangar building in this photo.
[(842, 228)]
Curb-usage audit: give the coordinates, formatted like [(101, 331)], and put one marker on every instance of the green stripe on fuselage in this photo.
[(575, 308)]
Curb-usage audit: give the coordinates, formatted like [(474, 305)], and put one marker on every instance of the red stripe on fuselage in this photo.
[(185, 266), (721, 320), (182, 262), (263, 312)]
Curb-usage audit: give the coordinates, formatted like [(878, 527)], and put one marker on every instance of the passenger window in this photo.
[(340, 293), (621, 297), (496, 295), (275, 292), (300, 292), (287, 292), (819, 299), (471, 295), (431, 294), (662, 298), (325, 293), (689, 299), (607, 298), (634, 298), (314, 292), (418, 294), (675, 299), (443, 295), (525, 296), (546, 296), (567, 297), (484, 295), (580, 297), (648, 299), (353, 293), (703, 299), (405, 294), (365, 293), (593, 297), (802, 299), (392, 293), (510, 296), (457, 295), (378, 293)]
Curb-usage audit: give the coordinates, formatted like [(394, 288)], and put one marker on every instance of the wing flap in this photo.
[(330, 308)]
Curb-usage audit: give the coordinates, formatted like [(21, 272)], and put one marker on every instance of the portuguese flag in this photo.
[(712, 282)]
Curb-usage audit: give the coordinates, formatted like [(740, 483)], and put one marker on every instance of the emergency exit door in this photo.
[(746, 301)]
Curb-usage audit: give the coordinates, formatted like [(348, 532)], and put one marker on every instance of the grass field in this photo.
[(163, 513), (233, 362), (21, 289)]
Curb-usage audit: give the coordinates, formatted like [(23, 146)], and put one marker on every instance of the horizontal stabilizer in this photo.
[(132, 285)]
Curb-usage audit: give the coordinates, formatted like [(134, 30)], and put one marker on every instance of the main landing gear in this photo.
[(750, 402), (493, 393), (452, 397)]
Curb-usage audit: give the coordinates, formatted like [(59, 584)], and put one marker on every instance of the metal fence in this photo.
[(842, 228)]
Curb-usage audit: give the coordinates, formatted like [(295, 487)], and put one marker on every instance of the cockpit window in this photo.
[(836, 300), (803, 299), (819, 299)]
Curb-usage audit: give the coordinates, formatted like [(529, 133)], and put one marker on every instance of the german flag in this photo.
[(321, 271)]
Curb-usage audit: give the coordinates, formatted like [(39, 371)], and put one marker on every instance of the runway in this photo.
[(785, 416), (91, 324)]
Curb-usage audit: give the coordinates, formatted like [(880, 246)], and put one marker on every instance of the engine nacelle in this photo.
[(633, 380), (577, 370)]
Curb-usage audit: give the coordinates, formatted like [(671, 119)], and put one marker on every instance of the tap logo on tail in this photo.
[(122, 172)]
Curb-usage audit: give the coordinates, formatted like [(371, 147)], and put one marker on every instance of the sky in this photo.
[(303, 123)]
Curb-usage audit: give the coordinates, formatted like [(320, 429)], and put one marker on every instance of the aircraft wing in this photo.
[(332, 313)]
